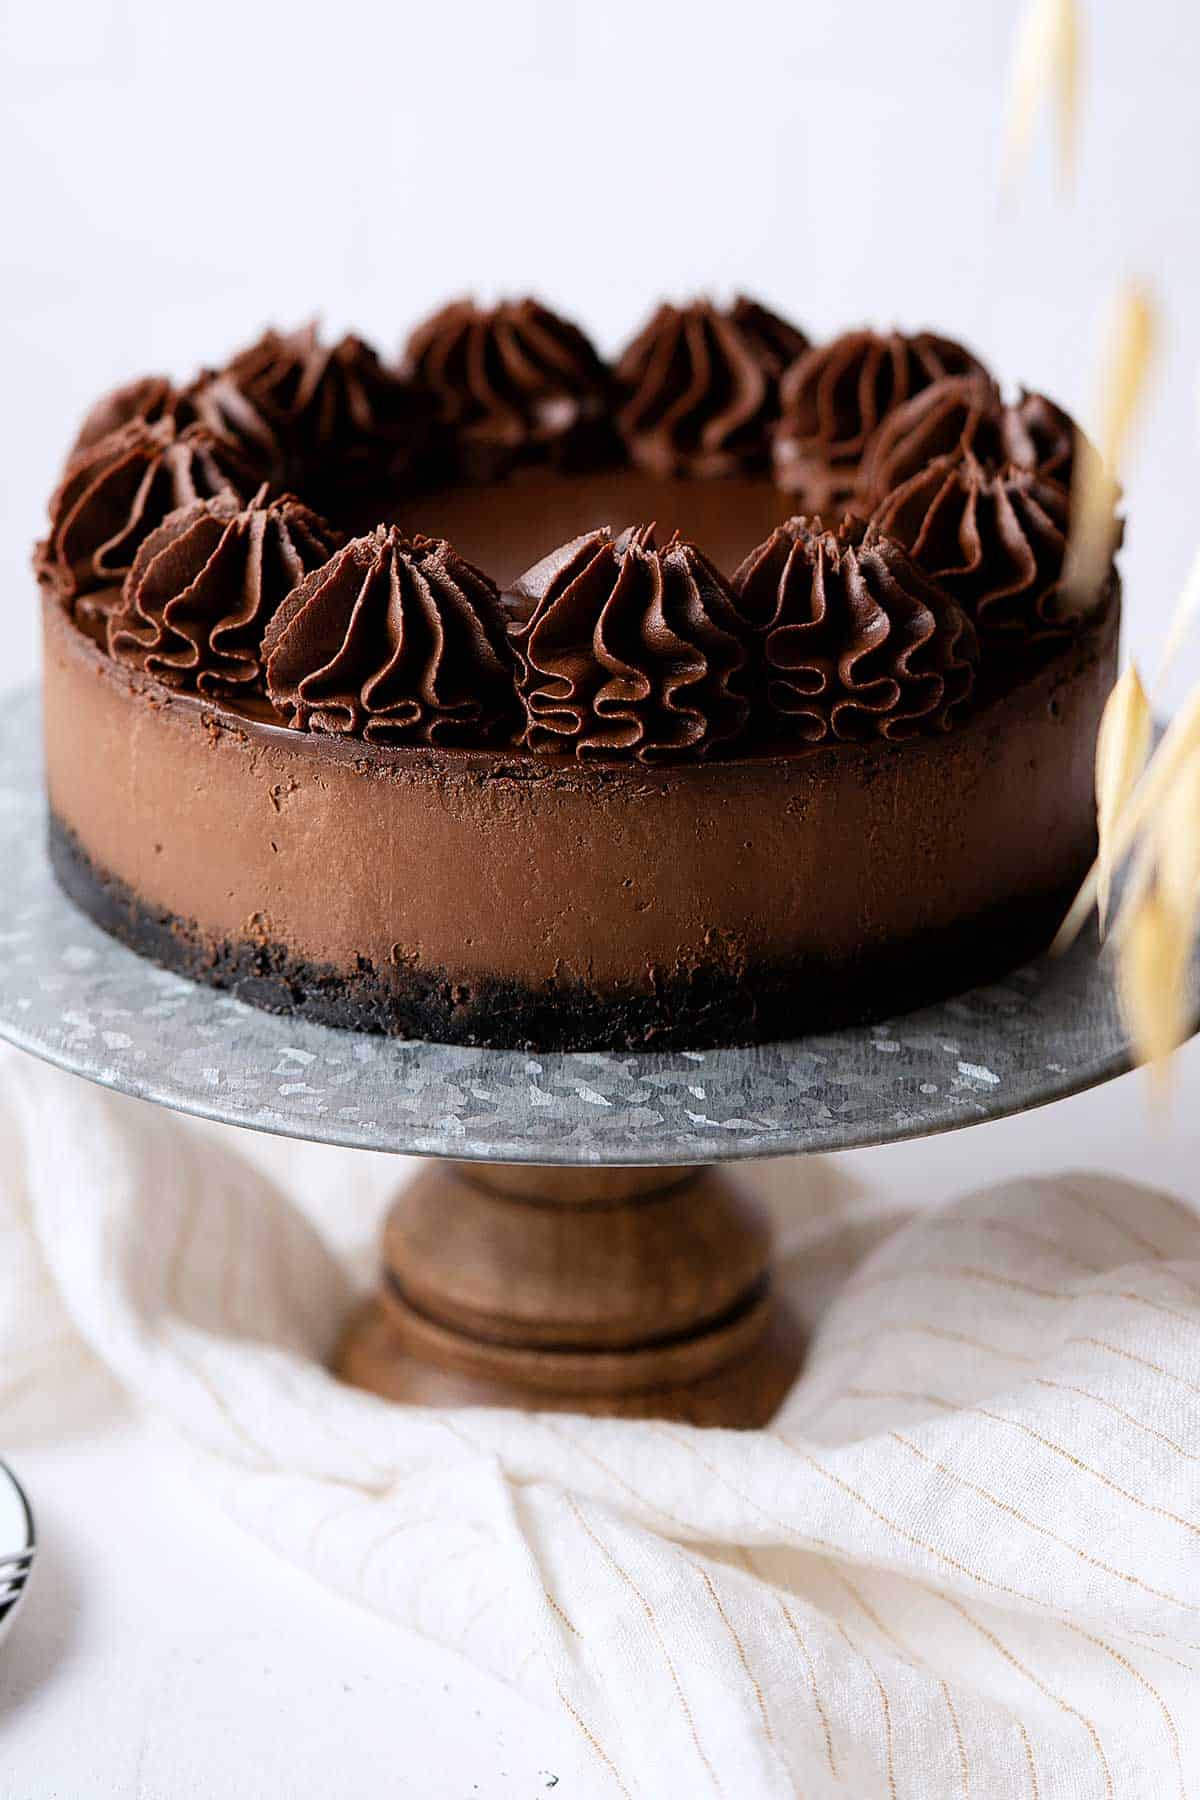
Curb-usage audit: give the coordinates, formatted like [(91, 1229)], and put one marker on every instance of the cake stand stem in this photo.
[(642, 1293)]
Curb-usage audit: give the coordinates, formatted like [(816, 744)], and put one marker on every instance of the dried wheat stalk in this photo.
[(1158, 925), (1153, 968), (1181, 739), (1125, 365), (1122, 747), (1160, 910), (1046, 63)]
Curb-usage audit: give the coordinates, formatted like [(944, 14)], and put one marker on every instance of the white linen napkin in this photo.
[(965, 1560)]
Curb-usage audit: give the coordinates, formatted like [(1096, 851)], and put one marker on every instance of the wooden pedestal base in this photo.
[(640, 1293)]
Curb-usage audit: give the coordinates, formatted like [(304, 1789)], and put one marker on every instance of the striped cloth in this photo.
[(964, 1561)]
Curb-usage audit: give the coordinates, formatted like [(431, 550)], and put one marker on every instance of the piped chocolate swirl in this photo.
[(147, 398), (854, 641), (509, 384), (836, 398), (995, 538), (345, 421), (396, 640), (117, 490), (625, 649), (700, 387), (962, 414), (206, 584)]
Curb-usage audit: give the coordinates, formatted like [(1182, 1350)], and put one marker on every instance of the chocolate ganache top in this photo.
[(174, 540), (854, 640), (205, 585), (396, 640), (509, 382), (700, 387)]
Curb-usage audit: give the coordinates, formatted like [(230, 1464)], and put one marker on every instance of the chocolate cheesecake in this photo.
[(505, 696)]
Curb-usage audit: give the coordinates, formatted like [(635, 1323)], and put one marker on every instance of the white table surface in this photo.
[(162, 1655)]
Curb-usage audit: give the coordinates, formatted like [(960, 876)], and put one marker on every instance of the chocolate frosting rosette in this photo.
[(700, 387), (836, 397), (117, 490), (996, 538), (854, 640), (625, 649), (509, 384), (965, 413), (395, 640), (205, 585)]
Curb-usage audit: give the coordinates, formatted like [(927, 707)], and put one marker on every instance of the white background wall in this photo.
[(176, 176)]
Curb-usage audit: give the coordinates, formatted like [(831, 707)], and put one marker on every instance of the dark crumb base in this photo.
[(694, 1009)]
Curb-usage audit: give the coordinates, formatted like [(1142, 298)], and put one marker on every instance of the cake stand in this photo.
[(573, 1244)]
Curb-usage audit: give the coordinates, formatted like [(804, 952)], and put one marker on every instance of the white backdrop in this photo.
[(175, 176)]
